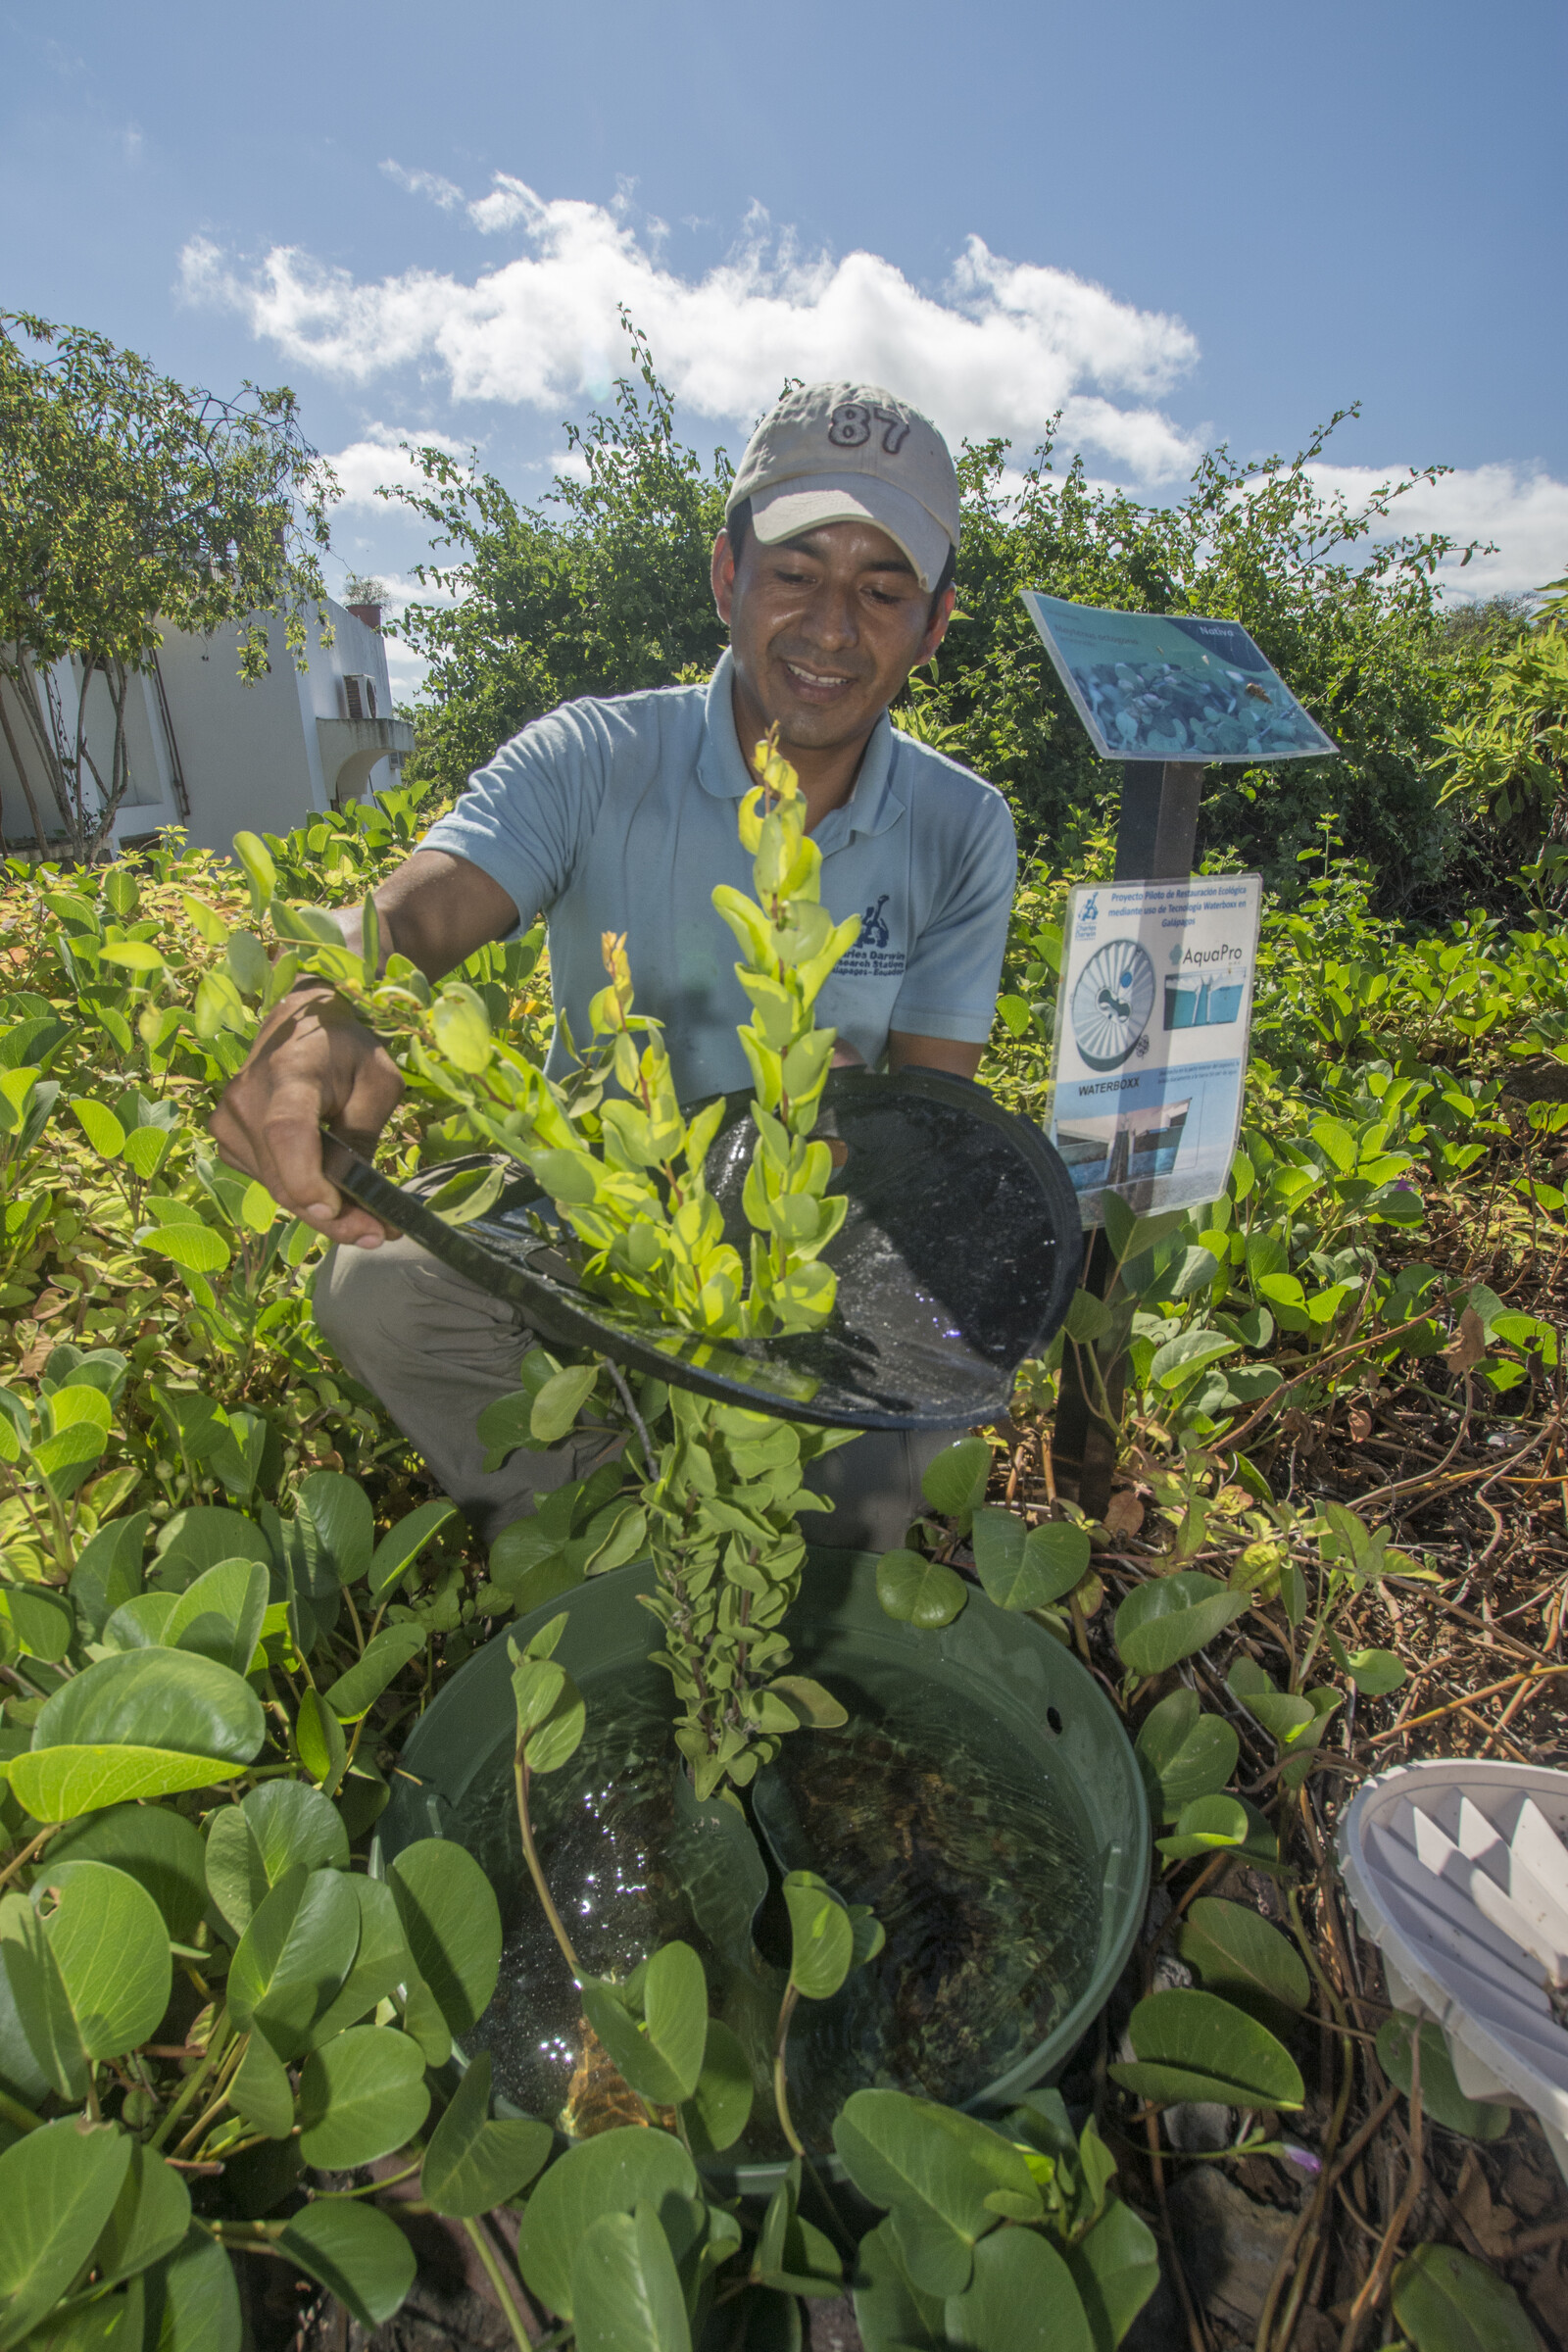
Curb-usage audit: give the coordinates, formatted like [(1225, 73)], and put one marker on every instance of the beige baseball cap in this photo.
[(851, 453)]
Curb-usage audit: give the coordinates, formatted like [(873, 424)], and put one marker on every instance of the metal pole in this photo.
[(1155, 843)]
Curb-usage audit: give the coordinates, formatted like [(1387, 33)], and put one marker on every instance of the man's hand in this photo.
[(312, 1061)]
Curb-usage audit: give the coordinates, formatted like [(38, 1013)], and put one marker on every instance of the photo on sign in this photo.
[(1169, 686), (1123, 1147), (1149, 1054)]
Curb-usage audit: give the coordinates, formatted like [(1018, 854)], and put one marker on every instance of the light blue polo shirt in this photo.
[(621, 816)]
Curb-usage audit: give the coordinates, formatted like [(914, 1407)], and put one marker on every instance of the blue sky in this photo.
[(1217, 222)]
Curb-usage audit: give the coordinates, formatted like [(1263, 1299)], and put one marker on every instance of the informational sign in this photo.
[(1162, 686), (1150, 1058)]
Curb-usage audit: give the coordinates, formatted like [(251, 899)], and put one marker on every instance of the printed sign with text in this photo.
[(1150, 1056)]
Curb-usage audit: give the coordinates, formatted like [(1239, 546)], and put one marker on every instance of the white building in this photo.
[(217, 757)]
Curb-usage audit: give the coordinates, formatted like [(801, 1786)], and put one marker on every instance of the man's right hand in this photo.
[(312, 1063)]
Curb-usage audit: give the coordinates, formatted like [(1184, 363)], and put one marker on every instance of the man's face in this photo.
[(824, 629)]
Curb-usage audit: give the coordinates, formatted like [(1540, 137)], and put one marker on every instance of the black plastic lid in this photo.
[(957, 1260)]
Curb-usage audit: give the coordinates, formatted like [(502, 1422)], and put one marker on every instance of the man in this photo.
[(834, 574)]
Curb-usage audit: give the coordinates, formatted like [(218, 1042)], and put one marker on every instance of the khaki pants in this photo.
[(437, 1350)]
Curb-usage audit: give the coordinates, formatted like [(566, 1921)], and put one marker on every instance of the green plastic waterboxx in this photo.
[(1010, 1671)]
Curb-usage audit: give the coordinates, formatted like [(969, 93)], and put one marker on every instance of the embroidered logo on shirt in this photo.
[(872, 958)]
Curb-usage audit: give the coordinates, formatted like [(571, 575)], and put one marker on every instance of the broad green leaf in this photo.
[(556, 1409), (1239, 1954), (194, 1248), (250, 1845), (422, 2018), (717, 1859), (954, 1482), (661, 2053), (108, 1569), (1116, 2268), (40, 2047), (1210, 1823), (355, 2252), (1025, 1568), (721, 2107), (452, 1923), (260, 872), (155, 1699), (58, 1784), (792, 2255), (608, 2174), (192, 2300), (1193, 2045), (111, 2322), (402, 1544), (1376, 1671), (918, 1591), (58, 2188), (111, 1946), (336, 1525), (1020, 2299), (63, 1461), (675, 2014), (551, 1714), (475, 2161), (132, 954), (1169, 1617), (150, 2219), (627, 2292), (260, 2092), (319, 1739), (101, 1128), (43, 1622), (151, 1843), (1445, 2301), (203, 1537), (293, 1956), (382, 1966), (139, 1623), (502, 1426), (355, 1693), (889, 2308), (810, 1701), (891, 2312), (821, 1936), (220, 1616), (361, 2095), (1184, 1753), (935, 2167), (1441, 2099)]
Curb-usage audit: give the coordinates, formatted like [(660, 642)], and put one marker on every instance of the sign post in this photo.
[(1155, 843), (1164, 696)]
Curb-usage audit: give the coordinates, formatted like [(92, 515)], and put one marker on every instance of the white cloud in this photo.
[(444, 192), (379, 461), (997, 350), (1523, 509)]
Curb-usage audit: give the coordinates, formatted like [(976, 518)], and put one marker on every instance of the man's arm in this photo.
[(907, 1052), (313, 1061)]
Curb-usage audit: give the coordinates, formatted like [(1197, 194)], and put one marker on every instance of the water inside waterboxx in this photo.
[(980, 1867)]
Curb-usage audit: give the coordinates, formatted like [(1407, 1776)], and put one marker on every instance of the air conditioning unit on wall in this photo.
[(358, 694)]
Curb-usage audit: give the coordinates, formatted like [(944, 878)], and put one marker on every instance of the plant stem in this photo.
[(497, 2279), (781, 2094), (536, 1869), (626, 1398), (19, 1861), (214, 2051), (12, 2111)]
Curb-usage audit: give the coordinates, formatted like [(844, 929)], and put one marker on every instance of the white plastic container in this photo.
[(1458, 1872)]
